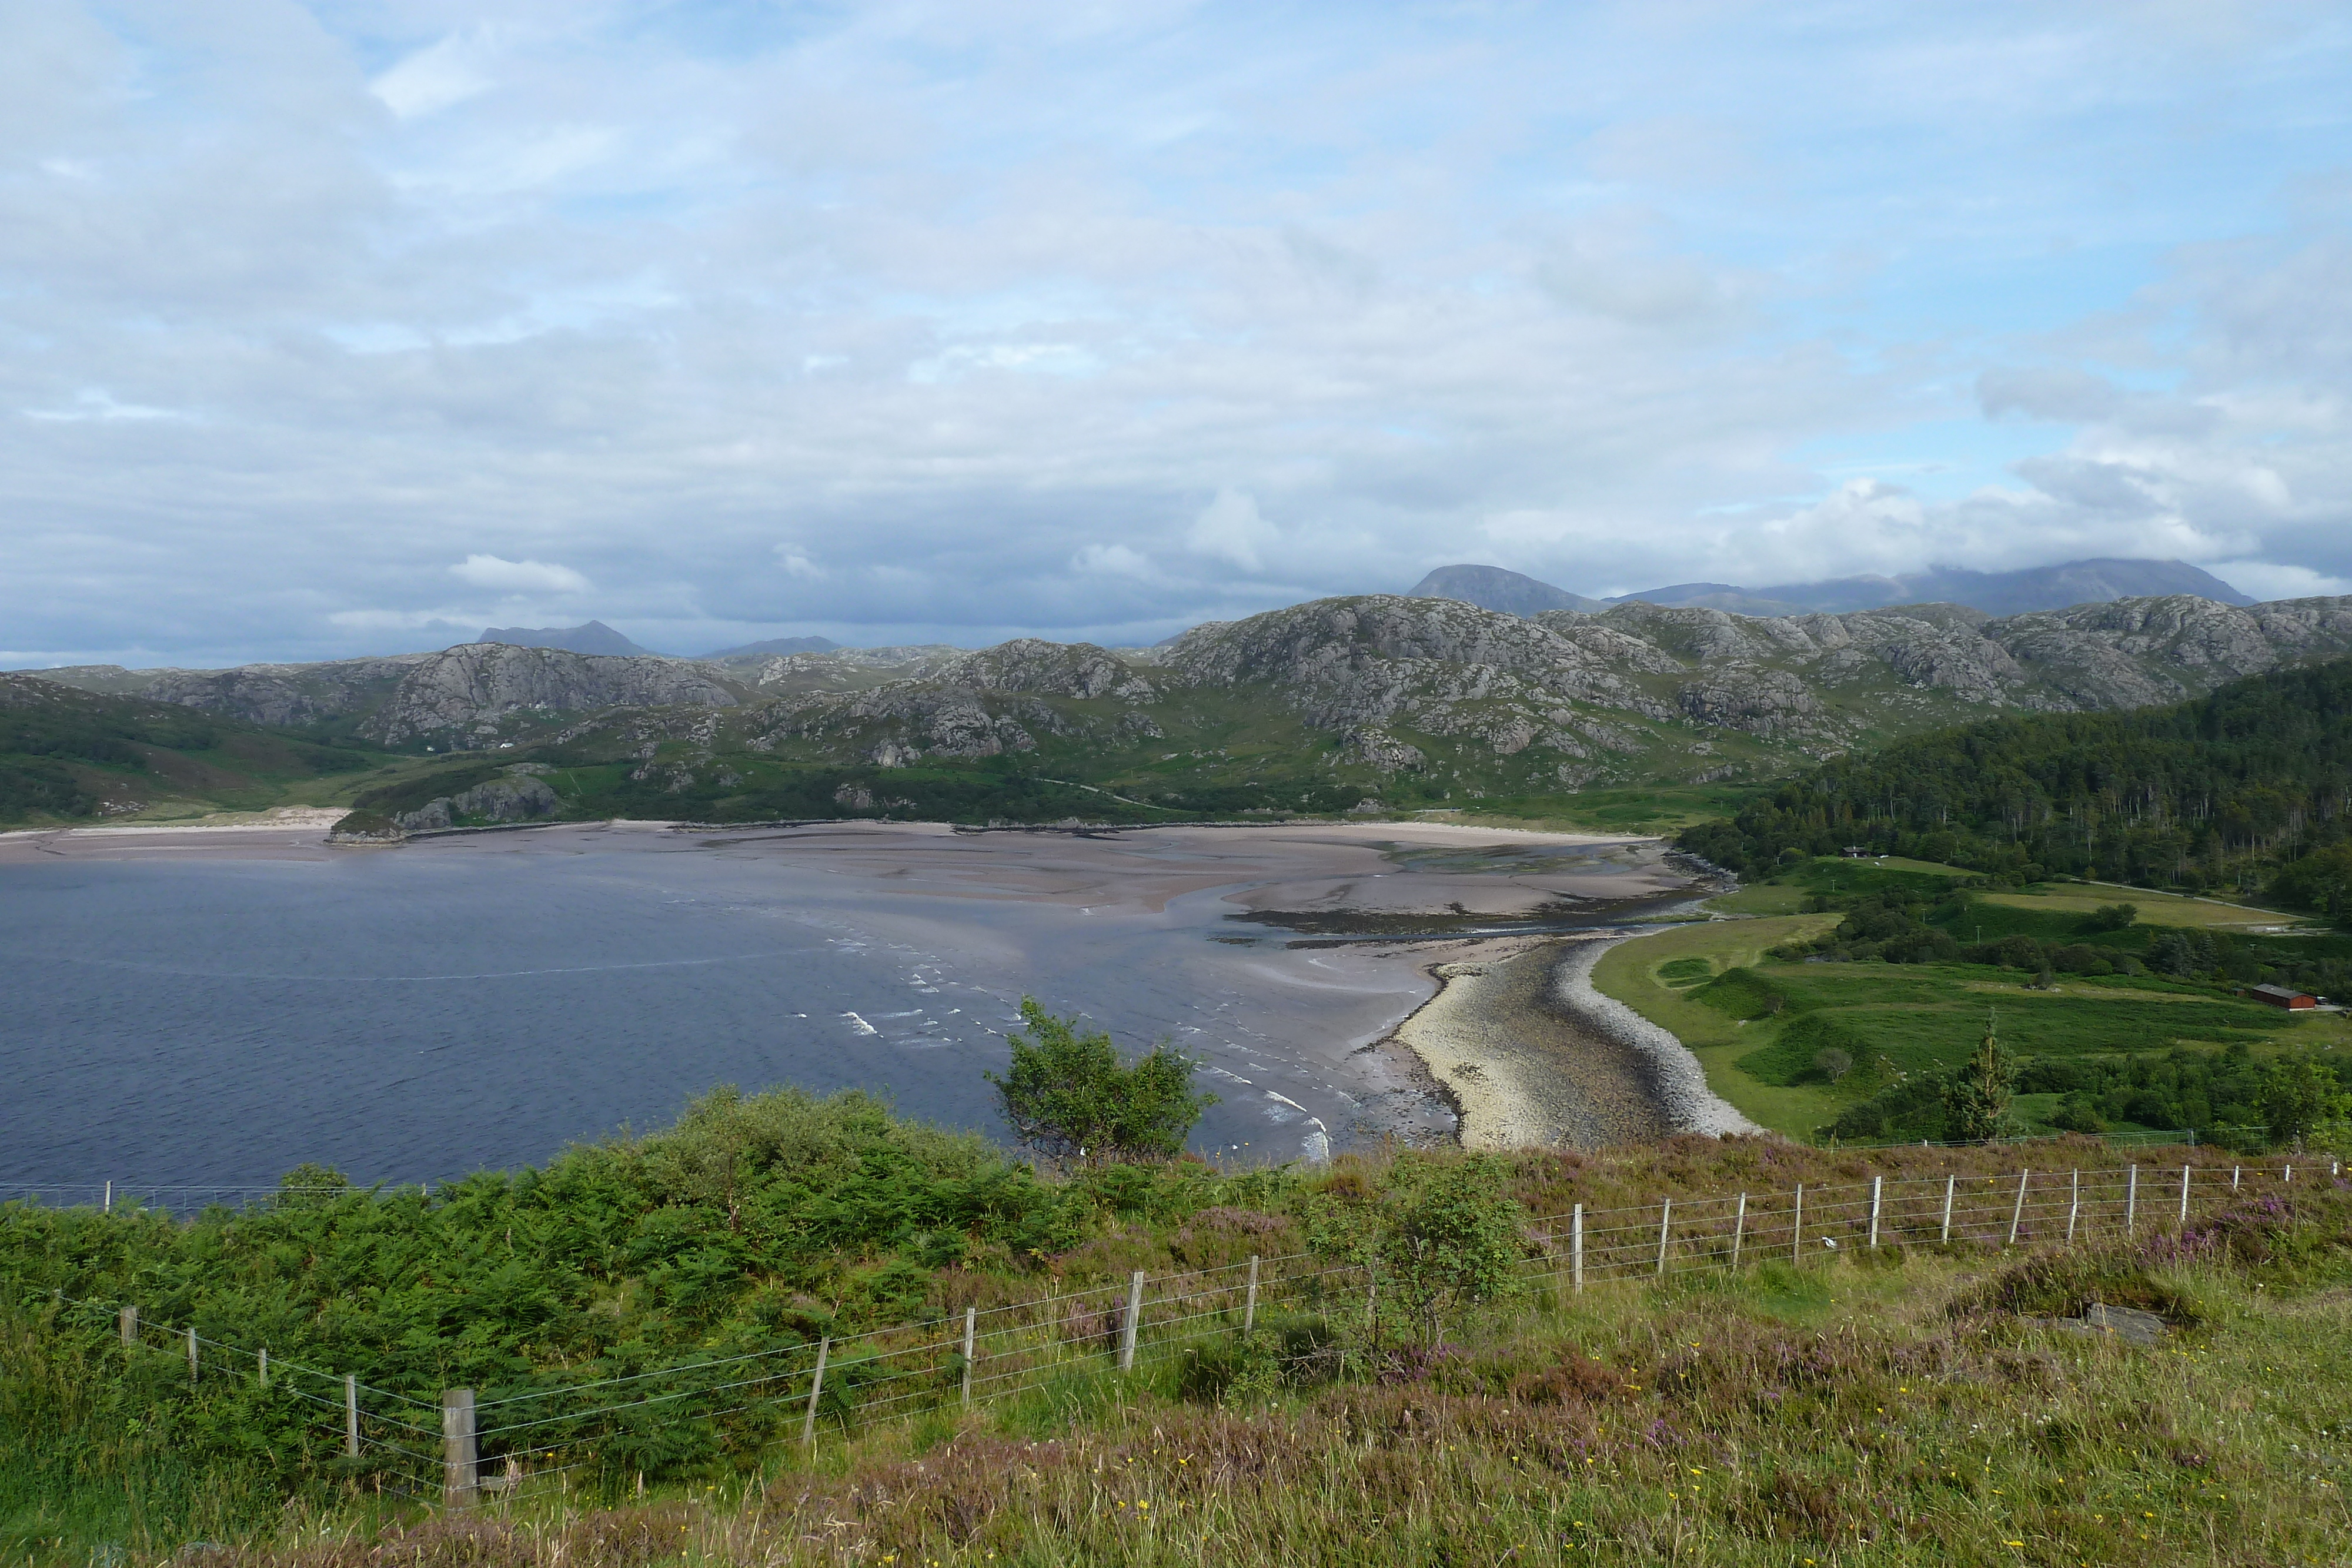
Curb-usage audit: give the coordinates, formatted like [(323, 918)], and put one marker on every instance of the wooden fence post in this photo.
[(192, 1356), (2131, 1201), (2184, 1197), (1249, 1302), (1134, 1315), (1797, 1226), (351, 1415), (816, 1387), (2017, 1214), (2074, 1203), (1576, 1247), (126, 1324), (2233, 1177), (261, 1364), (460, 1488), (970, 1321), (109, 1207), (1665, 1218), (1950, 1181), (1874, 1187), (1739, 1228)]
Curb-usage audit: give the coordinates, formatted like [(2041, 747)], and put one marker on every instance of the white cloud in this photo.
[(796, 563), (1230, 528), (370, 620), (519, 577), (2264, 580), (96, 404), (1113, 560), (436, 77)]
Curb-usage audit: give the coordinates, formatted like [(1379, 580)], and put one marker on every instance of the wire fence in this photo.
[(524, 1437)]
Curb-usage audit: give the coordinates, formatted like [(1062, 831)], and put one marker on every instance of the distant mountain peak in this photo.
[(595, 637), (1498, 588), (777, 645)]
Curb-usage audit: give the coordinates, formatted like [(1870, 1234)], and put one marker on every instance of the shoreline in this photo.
[(1531, 1056)]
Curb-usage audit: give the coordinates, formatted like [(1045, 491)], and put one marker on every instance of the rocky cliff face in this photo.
[(287, 696), (467, 693)]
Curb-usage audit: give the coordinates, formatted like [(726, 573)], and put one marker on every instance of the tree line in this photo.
[(2247, 789)]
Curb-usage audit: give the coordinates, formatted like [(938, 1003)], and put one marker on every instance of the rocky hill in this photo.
[(1320, 705), (472, 695), (1404, 700), (479, 692)]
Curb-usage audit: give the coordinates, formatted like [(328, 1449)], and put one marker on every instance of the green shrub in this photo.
[(1068, 1097)]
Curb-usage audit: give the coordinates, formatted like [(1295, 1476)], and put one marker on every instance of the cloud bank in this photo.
[(333, 327)]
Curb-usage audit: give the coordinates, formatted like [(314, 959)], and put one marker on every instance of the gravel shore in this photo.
[(1533, 1056)]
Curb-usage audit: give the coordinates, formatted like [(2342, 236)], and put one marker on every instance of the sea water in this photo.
[(413, 1016), (417, 1014)]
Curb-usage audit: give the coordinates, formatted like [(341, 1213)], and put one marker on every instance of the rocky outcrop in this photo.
[(518, 798), (1364, 665), (985, 703), (838, 669), (465, 693), (1048, 669)]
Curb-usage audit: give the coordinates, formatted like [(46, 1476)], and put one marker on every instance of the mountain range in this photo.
[(1992, 592), (1394, 699)]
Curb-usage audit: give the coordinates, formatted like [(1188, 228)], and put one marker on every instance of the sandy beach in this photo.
[(1532, 1056)]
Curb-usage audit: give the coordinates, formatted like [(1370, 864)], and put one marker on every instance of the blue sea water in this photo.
[(415, 1015)]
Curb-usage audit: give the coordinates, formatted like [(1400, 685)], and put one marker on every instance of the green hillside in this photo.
[(69, 756)]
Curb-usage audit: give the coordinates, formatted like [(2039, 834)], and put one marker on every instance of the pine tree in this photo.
[(1976, 1096)]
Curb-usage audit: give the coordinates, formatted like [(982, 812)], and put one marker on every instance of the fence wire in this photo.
[(1017, 1347)]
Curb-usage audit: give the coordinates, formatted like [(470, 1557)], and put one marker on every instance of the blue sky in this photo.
[(356, 327)]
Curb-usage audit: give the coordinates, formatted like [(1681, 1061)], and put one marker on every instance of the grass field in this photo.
[(2155, 908), (1908, 1019), (1656, 974), (1901, 1407)]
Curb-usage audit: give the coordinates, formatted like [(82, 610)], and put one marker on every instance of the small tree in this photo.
[(1441, 1240), (1832, 1063), (1068, 1097), (1977, 1095), (1451, 1242)]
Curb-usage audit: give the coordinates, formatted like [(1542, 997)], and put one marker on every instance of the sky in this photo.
[(361, 325)]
